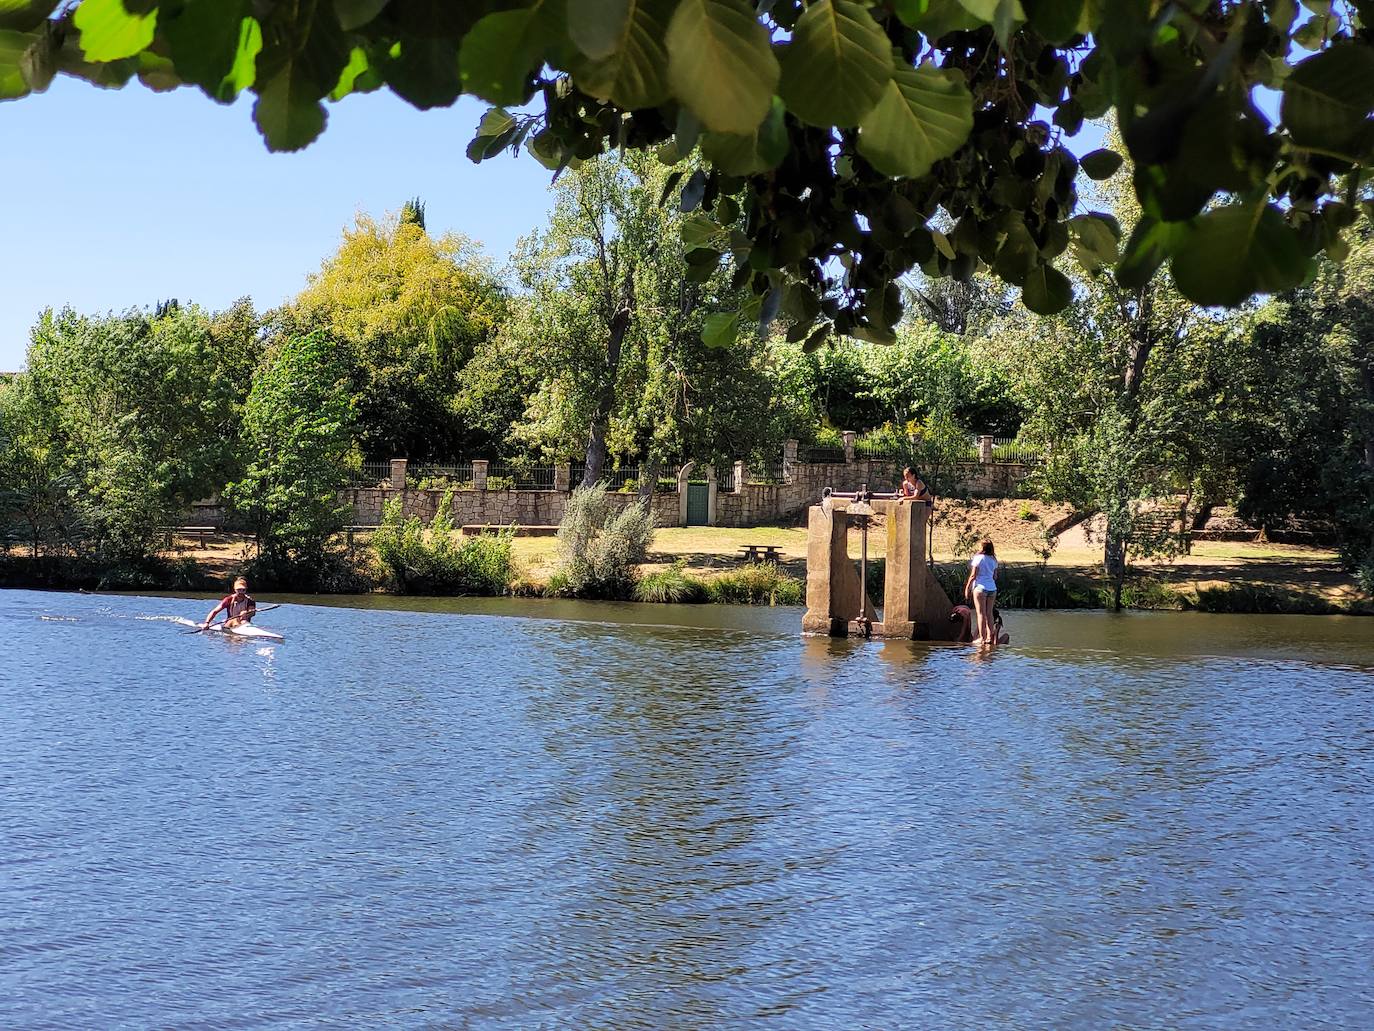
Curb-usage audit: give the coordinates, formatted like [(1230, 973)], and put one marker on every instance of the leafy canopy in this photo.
[(864, 138)]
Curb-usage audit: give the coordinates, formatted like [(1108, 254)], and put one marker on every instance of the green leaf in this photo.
[(495, 122), (1100, 164), (597, 27), (925, 114), (13, 46), (423, 70), (837, 66), (25, 15), (288, 111), (942, 17), (1047, 290), (943, 245), (214, 44), (756, 152), (700, 231), (1095, 240), (157, 72), (633, 72), (109, 32), (501, 52), (1229, 254), (1151, 243), (721, 64), (816, 339), (354, 14), (1327, 99), (1315, 32), (358, 63), (1002, 15), (720, 329), (910, 11), (1056, 20), (38, 62)]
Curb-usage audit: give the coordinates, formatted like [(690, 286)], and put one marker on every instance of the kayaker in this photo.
[(239, 606)]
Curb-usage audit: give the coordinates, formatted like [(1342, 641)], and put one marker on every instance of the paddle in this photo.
[(202, 629)]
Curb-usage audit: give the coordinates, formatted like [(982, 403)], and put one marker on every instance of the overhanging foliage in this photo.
[(865, 139)]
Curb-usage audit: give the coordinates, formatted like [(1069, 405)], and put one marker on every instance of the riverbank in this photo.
[(696, 564)]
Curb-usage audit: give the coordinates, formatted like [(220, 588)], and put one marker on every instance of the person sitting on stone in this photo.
[(912, 487)]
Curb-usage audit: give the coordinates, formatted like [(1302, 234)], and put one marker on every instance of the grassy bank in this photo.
[(694, 565)]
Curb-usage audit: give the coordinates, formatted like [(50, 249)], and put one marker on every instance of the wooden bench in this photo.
[(760, 553), (198, 532)]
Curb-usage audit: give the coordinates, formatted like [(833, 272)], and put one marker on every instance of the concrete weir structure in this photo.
[(915, 606)]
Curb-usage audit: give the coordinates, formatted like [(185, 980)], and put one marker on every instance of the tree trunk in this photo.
[(648, 481), (605, 400), (1114, 564)]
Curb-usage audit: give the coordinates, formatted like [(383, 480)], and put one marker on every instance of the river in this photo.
[(523, 814)]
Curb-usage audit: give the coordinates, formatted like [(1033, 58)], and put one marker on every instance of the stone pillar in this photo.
[(562, 477), (398, 474), (479, 474), (849, 437), (711, 488), (985, 449), (832, 578), (741, 475), (789, 459)]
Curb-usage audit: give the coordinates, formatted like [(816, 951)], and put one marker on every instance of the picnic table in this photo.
[(760, 552)]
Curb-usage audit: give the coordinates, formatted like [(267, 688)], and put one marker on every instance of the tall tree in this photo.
[(136, 413), (410, 309), (298, 434)]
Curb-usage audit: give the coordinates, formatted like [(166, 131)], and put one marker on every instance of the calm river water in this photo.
[(554, 815)]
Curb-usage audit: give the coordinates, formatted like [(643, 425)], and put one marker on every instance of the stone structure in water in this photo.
[(915, 606)]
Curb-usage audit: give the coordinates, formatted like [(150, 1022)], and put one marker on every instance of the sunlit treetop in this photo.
[(846, 142)]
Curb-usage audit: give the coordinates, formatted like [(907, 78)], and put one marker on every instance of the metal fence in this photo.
[(370, 474), (765, 473), (456, 473), (725, 479), (512, 476), (1008, 449), (821, 455), (882, 448)]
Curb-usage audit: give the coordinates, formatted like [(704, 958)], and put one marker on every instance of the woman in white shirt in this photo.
[(981, 590)]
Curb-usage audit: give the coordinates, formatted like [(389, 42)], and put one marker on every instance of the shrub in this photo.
[(599, 547), (670, 585), (759, 584), (420, 560), (1026, 514)]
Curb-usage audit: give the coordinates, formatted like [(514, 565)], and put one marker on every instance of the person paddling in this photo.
[(239, 606)]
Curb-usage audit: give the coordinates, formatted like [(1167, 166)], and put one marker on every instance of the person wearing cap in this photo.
[(239, 607)]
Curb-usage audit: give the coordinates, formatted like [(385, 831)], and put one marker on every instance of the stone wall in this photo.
[(750, 505)]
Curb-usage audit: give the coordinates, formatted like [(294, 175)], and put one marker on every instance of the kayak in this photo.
[(247, 631)]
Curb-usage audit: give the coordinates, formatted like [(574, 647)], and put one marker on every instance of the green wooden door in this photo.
[(698, 504)]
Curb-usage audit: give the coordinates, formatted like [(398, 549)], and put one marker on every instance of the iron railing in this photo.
[(515, 476), (821, 455), (456, 473), (370, 474)]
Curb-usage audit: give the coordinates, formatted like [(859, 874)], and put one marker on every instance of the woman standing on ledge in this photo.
[(981, 590)]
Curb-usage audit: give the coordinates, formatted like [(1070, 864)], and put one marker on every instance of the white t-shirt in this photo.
[(983, 567)]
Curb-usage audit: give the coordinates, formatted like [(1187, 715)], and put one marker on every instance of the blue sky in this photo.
[(119, 199)]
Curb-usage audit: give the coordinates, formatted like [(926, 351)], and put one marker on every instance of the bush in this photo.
[(759, 584), (670, 585), (420, 560), (599, 547), (1026, 513)]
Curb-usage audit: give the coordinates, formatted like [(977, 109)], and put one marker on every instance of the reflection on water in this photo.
[(451, 813)]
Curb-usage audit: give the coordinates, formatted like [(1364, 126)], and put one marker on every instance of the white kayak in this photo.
[(246, 630)]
